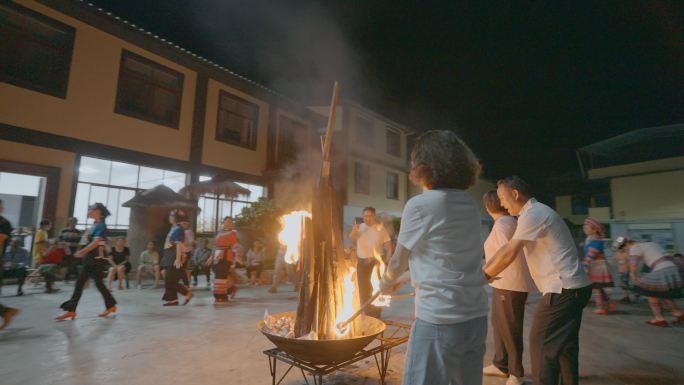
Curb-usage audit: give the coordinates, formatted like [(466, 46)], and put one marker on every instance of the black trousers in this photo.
[(95, 272), (171, 285), (508, 315), (197, 269), (364, 269), (554, 337)]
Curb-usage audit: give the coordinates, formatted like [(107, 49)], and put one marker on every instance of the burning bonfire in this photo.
[(328, 306)]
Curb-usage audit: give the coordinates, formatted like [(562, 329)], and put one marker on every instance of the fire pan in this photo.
[(327, 351)]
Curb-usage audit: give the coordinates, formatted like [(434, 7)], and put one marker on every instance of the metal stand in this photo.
[(395, 334)]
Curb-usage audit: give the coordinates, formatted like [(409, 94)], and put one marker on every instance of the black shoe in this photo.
[(20, 293)]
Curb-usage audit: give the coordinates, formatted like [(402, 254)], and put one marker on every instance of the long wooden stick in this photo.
[(325, 170), (363, 307)]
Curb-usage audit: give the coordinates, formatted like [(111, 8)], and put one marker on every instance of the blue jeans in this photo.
[(446, 354)]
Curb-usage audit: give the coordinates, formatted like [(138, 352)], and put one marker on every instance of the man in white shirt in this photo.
[(557, 271), (372, 242)]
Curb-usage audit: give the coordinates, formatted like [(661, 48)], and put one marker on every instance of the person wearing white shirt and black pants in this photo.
[(508, 297), (557, 271), (371, 238), (441, 242)]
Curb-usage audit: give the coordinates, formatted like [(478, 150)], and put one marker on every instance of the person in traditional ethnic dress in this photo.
[(663, 283), (172, 261), (94, 254), (596, 266), (222, 260)]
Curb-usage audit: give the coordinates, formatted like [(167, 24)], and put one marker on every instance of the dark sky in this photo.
[(525, 84)]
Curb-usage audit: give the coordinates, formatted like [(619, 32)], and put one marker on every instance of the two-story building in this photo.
[(95, 108)]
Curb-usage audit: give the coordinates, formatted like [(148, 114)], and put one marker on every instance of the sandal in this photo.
[(660, 323), (678, 319), (171, 303), (600, 312)]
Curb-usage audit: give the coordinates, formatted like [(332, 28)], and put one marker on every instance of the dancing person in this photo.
[(509, 294), (222, 260), (622, 259), (71, 236), (14, 263), (371, 240), (664, 281), (283, 268), (149, 263), (596, 265), (40, 236), (93, 254), (198, 262), (557, 271), (119, 269), (440, 240), (172, 261), (188, 244), (255, 260)]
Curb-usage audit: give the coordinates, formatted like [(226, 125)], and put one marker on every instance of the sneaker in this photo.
[(513, 380), (492, 370)]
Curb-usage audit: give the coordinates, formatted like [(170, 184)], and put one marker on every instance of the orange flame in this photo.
[(376, 276), (346, 309), (291, 234)]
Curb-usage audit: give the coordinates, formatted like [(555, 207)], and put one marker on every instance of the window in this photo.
[(35, 51), (113, 183), (237, 121), (149, 91), (392, 185), (393, 142), (361, 178), (364, 130), (208, 220), (292, 137), (580, 205)]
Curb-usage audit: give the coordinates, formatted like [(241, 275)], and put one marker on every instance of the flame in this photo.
[(376, 276), (292, 233), (347, 307)]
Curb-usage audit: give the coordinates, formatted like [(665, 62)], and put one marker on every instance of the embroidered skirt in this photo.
[(662, 283), (599, 273)]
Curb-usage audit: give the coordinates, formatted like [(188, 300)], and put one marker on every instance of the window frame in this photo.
[(395, 152), (369, 138), (251, 146), (118, 103), (396, 187), (61, 90)]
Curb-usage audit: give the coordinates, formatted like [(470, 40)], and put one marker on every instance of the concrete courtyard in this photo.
[(145, 343)]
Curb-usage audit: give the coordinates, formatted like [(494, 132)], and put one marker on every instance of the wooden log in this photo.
[(306, 307)]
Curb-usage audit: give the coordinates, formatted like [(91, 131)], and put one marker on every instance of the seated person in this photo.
[(149, 263), (16, 260), (120, 265), (53, 253), (255, 259)]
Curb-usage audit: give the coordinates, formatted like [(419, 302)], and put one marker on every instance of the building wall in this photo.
[(88, 111), (378, 188), (24, 153), (654, 196), (228, 156), (564, 209)]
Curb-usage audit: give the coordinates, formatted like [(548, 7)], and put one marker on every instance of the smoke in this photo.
[(296, 48), (295, 181)]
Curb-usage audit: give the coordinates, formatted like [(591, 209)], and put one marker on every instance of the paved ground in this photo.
[(146, 343)]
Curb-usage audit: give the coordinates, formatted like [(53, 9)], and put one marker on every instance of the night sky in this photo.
[(525, 84)]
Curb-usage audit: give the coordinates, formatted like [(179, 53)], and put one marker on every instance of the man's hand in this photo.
[(178, 263), (388, 287), (489, 278)]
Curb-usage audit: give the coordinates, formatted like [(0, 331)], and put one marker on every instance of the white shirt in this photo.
[(551, 253), (442, 230), (371, 238), (650, 252), (516, 276)]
